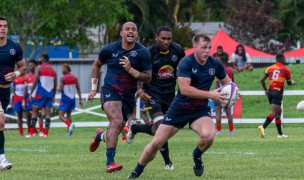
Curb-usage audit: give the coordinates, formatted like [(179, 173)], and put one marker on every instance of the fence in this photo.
[(99, 124)]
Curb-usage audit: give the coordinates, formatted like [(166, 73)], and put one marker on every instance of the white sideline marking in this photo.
[(242, 153), (27, 150)]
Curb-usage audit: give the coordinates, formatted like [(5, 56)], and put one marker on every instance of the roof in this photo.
[(295, 53), (221, 38)]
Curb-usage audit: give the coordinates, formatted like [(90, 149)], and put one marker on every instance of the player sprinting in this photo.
[(196, 73), (159, 93), (17, 96), (11, 55), (68, 86), (218, 107), (277, 75), (127, 63), (46, 83)]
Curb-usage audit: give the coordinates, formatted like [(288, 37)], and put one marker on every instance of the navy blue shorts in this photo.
[(128, 102), (5, 97), (179, 119), (160, 102)]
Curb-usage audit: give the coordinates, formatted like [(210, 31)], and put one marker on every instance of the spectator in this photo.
[(220, 52), (241, 60)]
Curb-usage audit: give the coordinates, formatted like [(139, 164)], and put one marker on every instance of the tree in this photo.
[(292, 19), (250, 22), (60, 21)]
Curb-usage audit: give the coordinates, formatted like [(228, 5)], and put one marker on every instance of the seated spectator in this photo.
[(241, 60), (220, 52)]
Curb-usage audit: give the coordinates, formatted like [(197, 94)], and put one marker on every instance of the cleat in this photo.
[(45, 136), (95, 143), (169, 166), (283, 136), (134, 175), (198, 167), (130, 134), (231, 133), (30, 135), (71, 129), (262, 131), (41, 134), (113, 167), (5, 164), (219, 133)]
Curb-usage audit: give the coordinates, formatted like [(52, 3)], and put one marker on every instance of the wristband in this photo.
[(17, 73), (134, 72), (94, 82)]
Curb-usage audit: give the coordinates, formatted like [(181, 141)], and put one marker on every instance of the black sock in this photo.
[(47, 123), (279, 125), (2, 139), (164, 150), (144, 128), (33, 122), (268, 121)]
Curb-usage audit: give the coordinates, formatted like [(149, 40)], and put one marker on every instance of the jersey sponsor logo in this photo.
[(166, 72), (174, 58), (211, 71), (12, 51), (108, 95), (194, 71), (114, 55), (133, 53)]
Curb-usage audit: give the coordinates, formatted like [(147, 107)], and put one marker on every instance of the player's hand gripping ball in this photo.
[(232, 93)]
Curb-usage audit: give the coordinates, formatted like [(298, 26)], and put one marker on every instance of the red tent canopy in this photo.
[(223, 39), (295, 53)]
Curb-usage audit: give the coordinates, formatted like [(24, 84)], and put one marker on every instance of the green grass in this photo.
[(242, 156)]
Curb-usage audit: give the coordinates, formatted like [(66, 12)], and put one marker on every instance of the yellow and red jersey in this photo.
[(277, 75)]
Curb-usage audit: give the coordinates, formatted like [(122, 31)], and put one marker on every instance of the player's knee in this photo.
[(208, 136)]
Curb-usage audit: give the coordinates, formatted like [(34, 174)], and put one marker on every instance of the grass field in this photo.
[(242, 156)]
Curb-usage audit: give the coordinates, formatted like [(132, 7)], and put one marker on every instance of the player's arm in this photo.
[(24, 91), (190, 91), (13, 94), (264, 77), (145, 97), (79, 92), (94, 78), (20, 70), (60, 88), (55, 84), (144, 76), (290, 82), (36, 79), (225, 80)]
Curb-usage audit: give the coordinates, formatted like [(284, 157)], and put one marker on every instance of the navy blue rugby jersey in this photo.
[(9, 55), (164, 68), (201, 76), (117, 78)]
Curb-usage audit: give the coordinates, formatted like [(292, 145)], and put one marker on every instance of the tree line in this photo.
[(67, 22)]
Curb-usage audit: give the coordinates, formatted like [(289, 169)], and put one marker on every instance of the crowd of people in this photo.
[(136, 71)]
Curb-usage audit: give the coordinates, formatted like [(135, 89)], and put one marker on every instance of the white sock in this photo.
[(2, 156)]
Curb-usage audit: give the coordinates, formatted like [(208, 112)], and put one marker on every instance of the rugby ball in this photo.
[(300, 106), (232, 93)]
